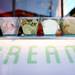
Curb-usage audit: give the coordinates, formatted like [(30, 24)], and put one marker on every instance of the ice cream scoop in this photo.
[(50, 27)]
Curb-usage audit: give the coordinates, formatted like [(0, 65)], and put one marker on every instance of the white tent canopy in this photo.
[(68, 6)]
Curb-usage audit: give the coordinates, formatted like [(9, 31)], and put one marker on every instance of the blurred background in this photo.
[(52, 8)]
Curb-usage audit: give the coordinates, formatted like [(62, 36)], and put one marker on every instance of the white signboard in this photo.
[(37, 57)]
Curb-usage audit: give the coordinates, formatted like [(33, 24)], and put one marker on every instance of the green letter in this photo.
[(68, 49), (31, 55), (54, 52), (0, 50), (14, 53)]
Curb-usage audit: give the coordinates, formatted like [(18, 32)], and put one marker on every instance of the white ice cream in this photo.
[(50, 27)]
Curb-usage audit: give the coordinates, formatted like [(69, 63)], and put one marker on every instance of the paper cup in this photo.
[(9, 25), (50, 27), (29, 25), (69, 25)]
